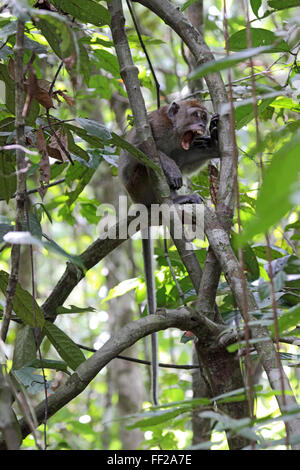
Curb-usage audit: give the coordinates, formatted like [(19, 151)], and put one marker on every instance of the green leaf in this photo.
[(64, 345), (259, 38), (53, 246), (157, 417), (74, 309), (282, 4), (286, 103), (23, 303), (101, 85), (87, 11), (227, 62), (250, 261), (94, 128), (255, 5), (8, 181), (33, 382), (85, 64), (49, 364), (275, 195), (8, 30), (58, 32), (4, 228), (25, 347), (122, 288), (288, 320), (261, 251), (244, 112), (108, 62)]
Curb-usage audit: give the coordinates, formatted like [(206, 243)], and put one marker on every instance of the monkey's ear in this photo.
[(173, 109)]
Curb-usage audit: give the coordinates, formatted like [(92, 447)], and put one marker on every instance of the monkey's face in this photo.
[(190, 120)]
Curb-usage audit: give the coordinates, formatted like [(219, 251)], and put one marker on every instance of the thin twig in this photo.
[(58, 140), (157, 85), (144, 362)]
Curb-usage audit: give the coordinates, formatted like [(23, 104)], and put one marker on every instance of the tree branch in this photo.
[(125, 337)]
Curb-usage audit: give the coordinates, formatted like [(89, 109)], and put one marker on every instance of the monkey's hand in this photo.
[(213, 127), (171, 170), (187, 199)]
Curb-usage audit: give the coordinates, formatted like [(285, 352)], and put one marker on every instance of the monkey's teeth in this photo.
[(199, 132)]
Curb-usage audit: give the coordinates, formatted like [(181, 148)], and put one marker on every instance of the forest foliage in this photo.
[(76, 113)]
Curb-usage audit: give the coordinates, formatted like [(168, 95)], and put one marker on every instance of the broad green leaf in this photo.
[(250, 261), (227, 62), (282, 4), (275, 195), (108, 62), (259, 38), (58, 32), (122, 288), (64, 345), (261, 251), (4, 228), (32, 382), (35, 226), (239, 394), (286, 103), (5, 51), (49, 364), (157, 417), (244, 112), (8, 30), (255, 5), (95, 128), (53, 246), (101, 85), (24, 348), (76, 151), (87, 11), (23, 304), (74, 309), (84, 62), (288, 320)]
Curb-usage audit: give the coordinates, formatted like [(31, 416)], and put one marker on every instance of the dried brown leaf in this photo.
[(54, 149), (68, 99), (37, 89), (70, 61)]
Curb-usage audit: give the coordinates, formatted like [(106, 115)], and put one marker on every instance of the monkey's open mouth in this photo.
[(189, 136)]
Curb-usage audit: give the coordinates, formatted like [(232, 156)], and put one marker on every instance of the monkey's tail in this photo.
[(148, 253)]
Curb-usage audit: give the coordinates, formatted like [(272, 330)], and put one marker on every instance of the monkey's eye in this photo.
[(197, 114)]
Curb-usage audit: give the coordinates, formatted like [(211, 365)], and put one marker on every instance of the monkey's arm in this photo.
[(171, 171)]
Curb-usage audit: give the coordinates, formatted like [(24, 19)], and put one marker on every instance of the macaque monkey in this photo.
[(184, 142)]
